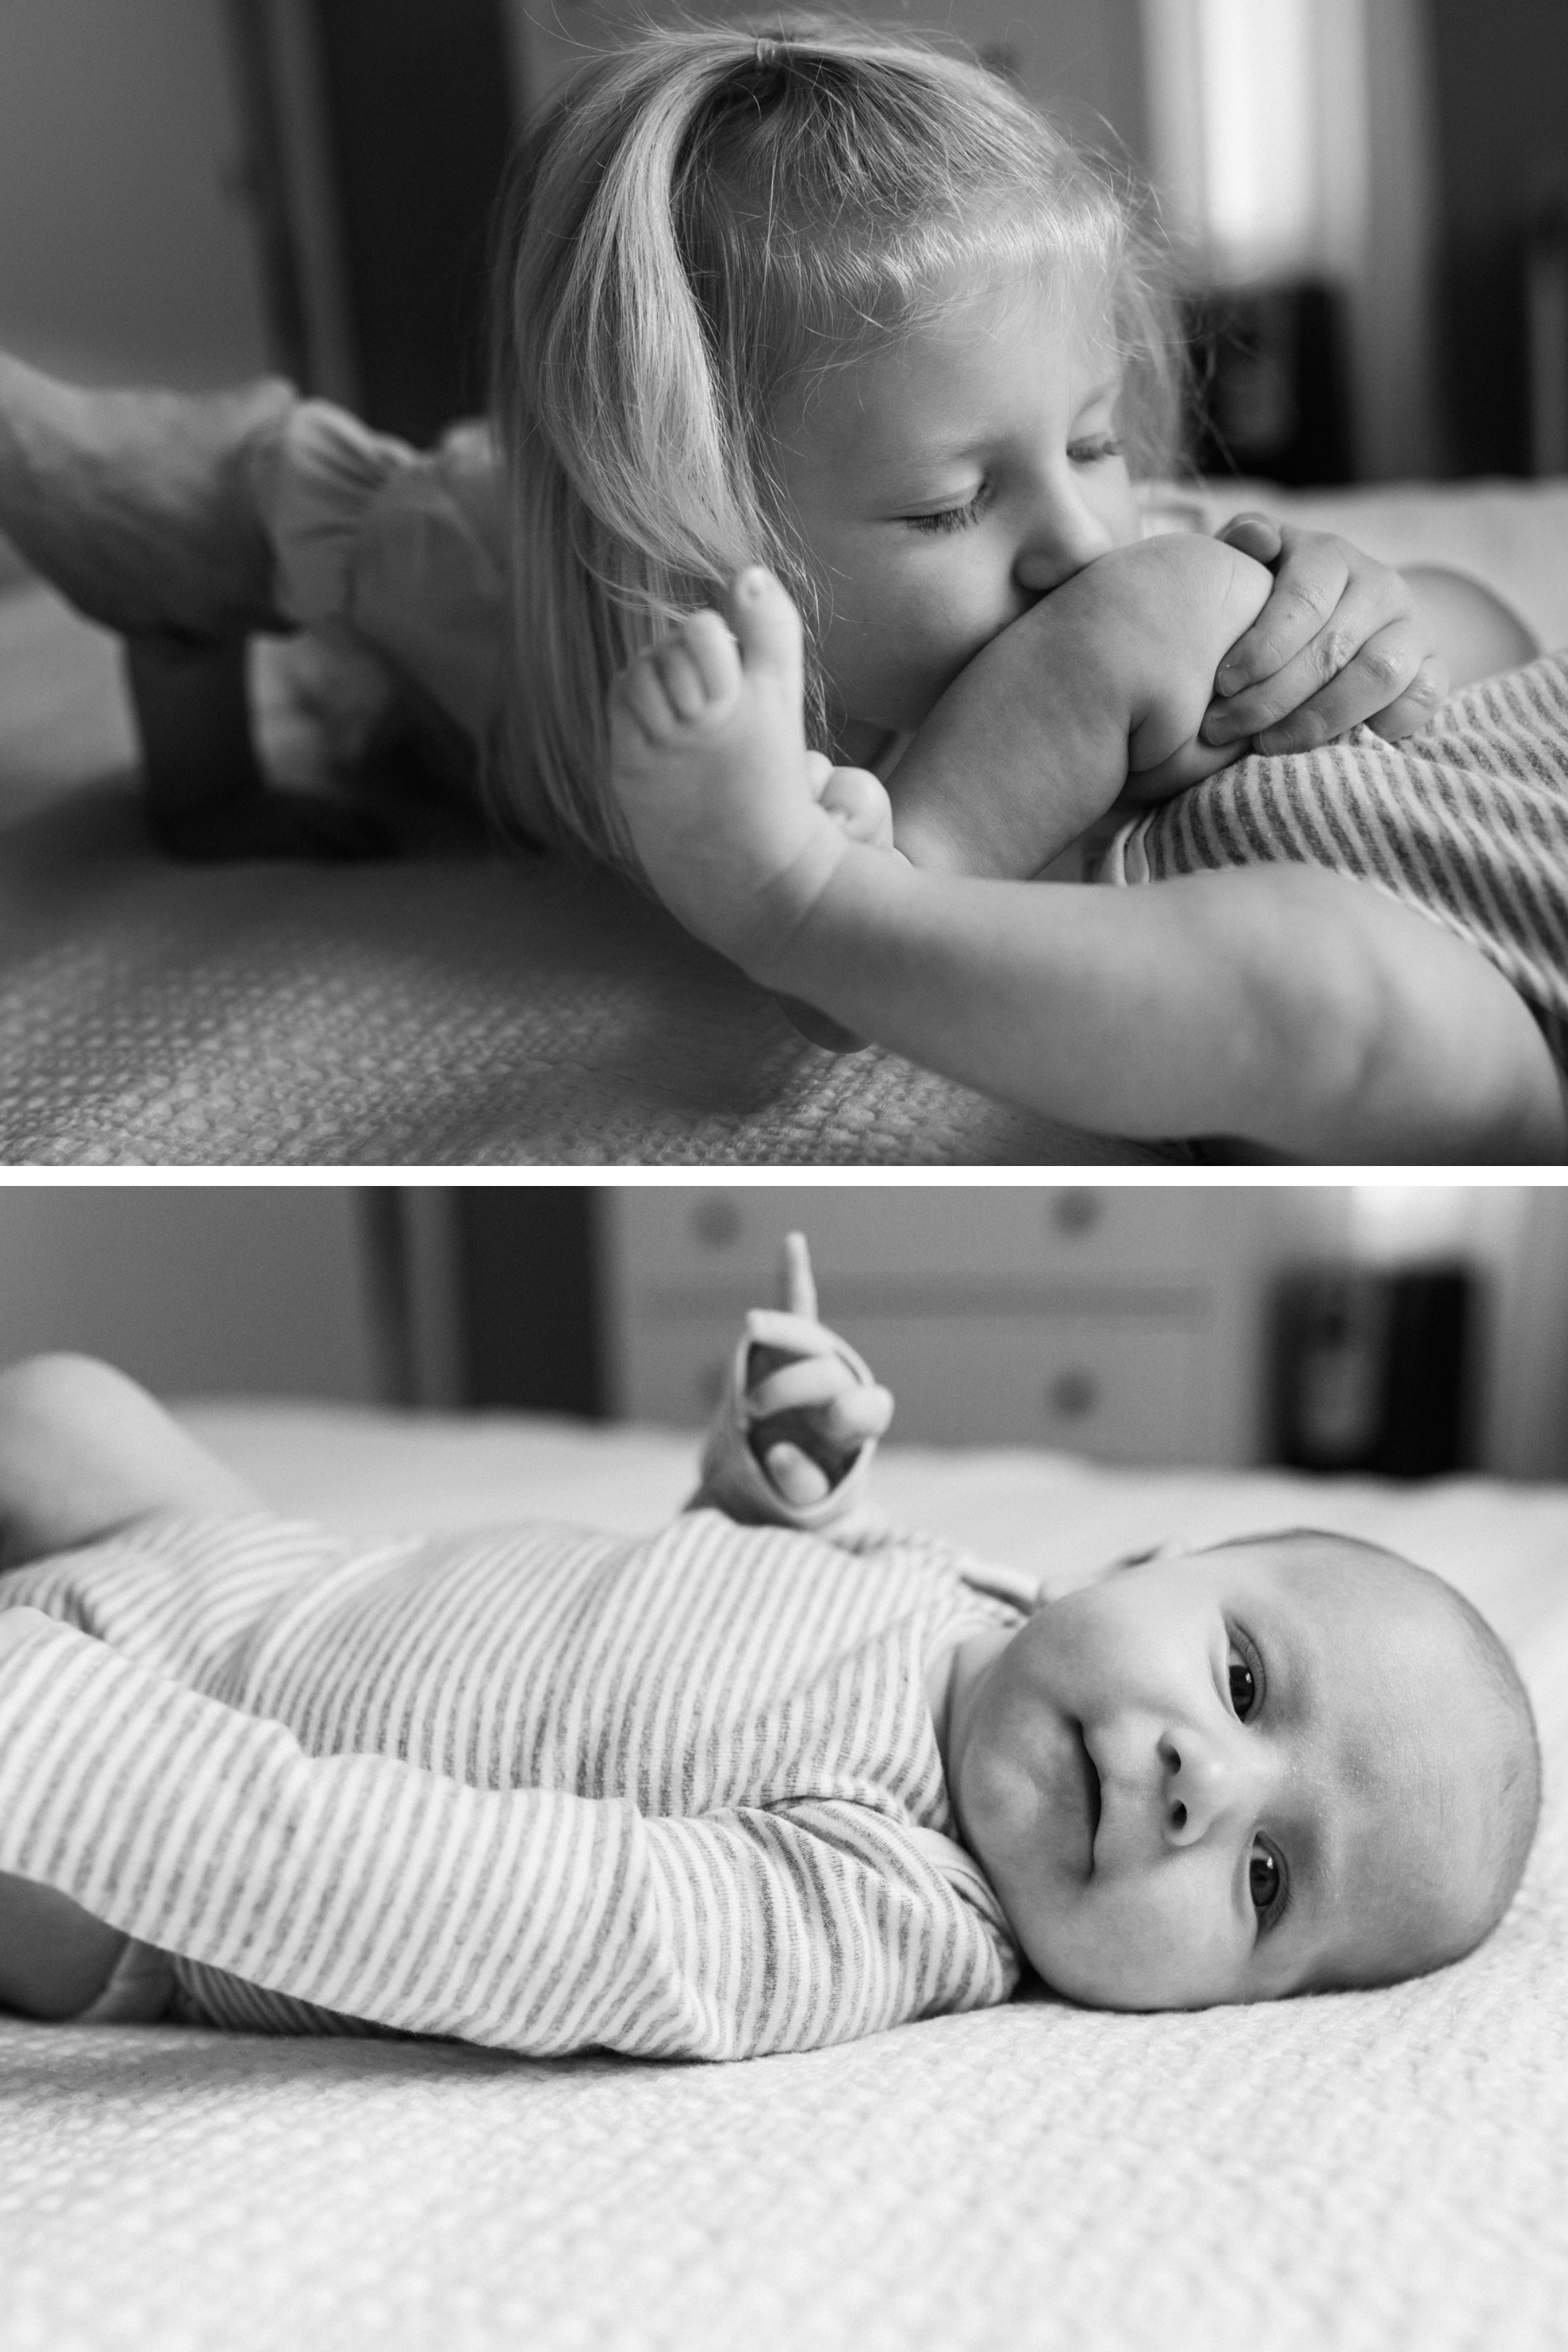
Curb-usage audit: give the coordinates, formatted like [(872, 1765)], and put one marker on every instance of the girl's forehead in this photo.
[(954, 361)]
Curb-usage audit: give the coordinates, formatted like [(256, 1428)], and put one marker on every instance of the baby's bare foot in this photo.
[(720, 704), (710, 772)]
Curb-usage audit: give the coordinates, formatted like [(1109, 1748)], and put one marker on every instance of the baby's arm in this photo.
[(1101, 684), (527, 1919), (793, 1439), (1290, 1006), (84, 1453)]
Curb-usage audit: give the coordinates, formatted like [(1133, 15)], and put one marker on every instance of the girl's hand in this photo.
[(809, 1412), (1338, 643)]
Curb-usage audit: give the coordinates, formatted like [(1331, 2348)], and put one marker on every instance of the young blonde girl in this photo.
[(713, 239)]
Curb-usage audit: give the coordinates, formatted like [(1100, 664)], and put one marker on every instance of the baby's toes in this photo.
[(682, 679), (640, 696), (713, 654), (859, 802)]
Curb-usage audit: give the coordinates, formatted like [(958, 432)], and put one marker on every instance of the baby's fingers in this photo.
[(806, 1385), (795, 1475), (1415, 706), (797, 1335), (857, 1414)]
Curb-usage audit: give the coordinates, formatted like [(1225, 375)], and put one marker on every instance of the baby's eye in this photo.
[(1263, 1878), (1243, 1686)]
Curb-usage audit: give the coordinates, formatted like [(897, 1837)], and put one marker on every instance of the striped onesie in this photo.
[(539, 1788), (1467, 822)]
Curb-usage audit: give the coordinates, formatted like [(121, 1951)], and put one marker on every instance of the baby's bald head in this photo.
[(1461, 1883), (1280, 1764)]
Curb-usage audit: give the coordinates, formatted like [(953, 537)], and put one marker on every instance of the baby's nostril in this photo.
[(1179, 1814)]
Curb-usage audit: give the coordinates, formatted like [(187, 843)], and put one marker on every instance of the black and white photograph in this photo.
[(783, 1248), (709, 1765), (571, 564)]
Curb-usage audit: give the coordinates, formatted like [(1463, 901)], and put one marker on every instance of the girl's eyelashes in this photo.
[(950, 518), (1098, 450), (1245, 1674)]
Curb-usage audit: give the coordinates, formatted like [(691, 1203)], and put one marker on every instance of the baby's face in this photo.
[(943, 483), (1225, 1777)]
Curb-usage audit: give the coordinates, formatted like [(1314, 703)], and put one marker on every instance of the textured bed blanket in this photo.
[(452, 1007), (1373, 2170)]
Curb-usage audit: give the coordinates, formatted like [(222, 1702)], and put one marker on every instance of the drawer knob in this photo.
[(1077, 1210), (716, 1221), (1073, 1394)]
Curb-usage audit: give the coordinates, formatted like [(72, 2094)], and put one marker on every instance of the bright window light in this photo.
[(1258, 114), (1256, 74)]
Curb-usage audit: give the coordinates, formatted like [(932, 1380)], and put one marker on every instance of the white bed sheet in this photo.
[(1360, 2169)]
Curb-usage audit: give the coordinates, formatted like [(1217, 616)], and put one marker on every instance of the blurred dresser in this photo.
[(1118, 1321)]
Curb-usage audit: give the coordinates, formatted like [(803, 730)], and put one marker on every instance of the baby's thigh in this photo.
[(55, 1958)]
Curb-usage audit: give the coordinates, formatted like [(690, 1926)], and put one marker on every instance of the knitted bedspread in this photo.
[(453, 1007), (450, 1006), (1356, 2170)]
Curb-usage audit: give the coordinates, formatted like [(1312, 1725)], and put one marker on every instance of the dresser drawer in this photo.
[(898, 1241), (1119, 1388)]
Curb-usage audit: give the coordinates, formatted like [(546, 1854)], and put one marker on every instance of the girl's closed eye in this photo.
[(950, 518), (1094, 451)]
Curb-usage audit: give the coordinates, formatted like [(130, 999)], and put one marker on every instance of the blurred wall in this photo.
[(125, 246), (1081, 58), (195, 1289), (1502, 101)]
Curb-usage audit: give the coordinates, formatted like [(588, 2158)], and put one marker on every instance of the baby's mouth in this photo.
[(1091, 1789)]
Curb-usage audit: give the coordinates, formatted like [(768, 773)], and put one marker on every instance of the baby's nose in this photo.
[(1196, 1785)]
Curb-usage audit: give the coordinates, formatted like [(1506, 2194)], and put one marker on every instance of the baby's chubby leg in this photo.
[(55, 1958), (1099, 689), (710, 766)]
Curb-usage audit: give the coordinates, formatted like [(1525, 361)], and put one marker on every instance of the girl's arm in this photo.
[(525, 1919), (1289, 1006), (84, 1453), (1474, 633), (1102, 685)]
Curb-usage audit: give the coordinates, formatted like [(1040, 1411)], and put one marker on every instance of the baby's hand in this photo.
[(1108, 676), (738, 827), (807, 1412), (1338, 643)]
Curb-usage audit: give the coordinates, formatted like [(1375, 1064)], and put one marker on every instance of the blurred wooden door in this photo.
[(379, 132)]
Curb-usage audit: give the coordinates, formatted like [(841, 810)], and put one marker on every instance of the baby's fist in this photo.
[(808, 1410)]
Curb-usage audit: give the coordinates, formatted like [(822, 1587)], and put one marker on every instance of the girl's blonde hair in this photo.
[(702, 221)]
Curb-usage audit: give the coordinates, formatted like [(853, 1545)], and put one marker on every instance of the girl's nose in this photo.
[(1064, 535), (1198, 1779)]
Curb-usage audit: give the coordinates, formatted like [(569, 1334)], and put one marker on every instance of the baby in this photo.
[(769, 1779)]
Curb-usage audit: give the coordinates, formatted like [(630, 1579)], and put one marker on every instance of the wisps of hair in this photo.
[(701, 221)]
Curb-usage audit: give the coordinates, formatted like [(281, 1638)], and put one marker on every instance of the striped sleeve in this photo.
[(524, 1920), (1466, 822)]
